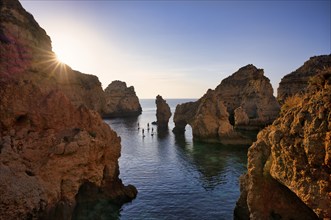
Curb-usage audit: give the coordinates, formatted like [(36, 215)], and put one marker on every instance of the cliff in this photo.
[(289, 165), (28, 48), (243, 101), (297, 81), (51, 146), (121, 101), (163, 113)]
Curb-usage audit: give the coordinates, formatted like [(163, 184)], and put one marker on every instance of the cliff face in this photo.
[(289, 165), (121, 100), (25, 46), (49, 147), (297, 81), (242, 101), (163, 113), (249, 90)]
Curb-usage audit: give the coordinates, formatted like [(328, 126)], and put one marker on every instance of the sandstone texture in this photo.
[(289, 166), (297, 81), (50, 145), (26, 46), (243, 101), (121, 101), (163, 113)]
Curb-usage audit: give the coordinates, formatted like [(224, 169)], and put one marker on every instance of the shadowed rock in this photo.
[(51, 144), (163, 113), (121, 101)]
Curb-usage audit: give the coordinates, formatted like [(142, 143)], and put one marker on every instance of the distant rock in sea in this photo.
[(52, 147), (243, 101), (163, 112), (120, 101), (297, 81), (289, 166)]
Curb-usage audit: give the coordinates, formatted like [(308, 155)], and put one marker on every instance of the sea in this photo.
[(176, 177)]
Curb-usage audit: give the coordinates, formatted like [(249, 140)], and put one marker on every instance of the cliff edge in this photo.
[(297, 81), (289, 166), (51, 146)]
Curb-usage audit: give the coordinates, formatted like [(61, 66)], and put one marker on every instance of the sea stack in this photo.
[(121, 101), (163, 112), (243, 101), (51, 147), (289, 166)]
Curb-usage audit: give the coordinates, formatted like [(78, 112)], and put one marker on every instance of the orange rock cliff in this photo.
[(51, 145), (289, 166)]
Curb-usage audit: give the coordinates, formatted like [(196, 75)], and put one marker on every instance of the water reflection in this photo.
[(176, 178), (211, 160)]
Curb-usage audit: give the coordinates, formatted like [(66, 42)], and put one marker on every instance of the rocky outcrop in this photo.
[(163, 113), (289, 166), (50, 146), (121, 100), (27, 47), (243, 101), (297, 81), (251, 91)]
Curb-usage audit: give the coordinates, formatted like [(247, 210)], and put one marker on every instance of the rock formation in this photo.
[(32, 50), (121, 100), (243, 101), (297, 81), (251, 91), (163, 113), (50, 146), (289, 166)]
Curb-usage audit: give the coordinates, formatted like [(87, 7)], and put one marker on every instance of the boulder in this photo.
[(50, 145), (163, 113), (120, 101)]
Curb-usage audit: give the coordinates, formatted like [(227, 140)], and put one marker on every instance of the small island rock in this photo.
[(163, 112), (120, 101)]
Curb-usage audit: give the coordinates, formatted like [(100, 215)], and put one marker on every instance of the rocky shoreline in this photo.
[(56, 153), (289, 165), (52, 142)]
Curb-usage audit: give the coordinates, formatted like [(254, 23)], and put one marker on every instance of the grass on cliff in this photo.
[(291, 102)]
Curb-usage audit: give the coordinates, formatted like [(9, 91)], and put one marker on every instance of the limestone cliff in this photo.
[(289, 166), (297, 81), (50, 145), (243, 101), (163, 113), (121, 100), (251, 91)]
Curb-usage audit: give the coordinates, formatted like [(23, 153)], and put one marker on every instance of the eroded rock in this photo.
[(50, 145), (163, 113), (243, 101), (288, 170), (121, 101)]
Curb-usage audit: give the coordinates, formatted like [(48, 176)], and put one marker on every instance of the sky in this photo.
[(180, 49)]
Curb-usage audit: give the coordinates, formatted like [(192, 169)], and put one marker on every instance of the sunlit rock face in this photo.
[(243, 101), (120, 100), (50, 144), (297, 81), (163, 112), (289, 166)]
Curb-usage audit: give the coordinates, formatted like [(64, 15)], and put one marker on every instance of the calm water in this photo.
[(176, 177)]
